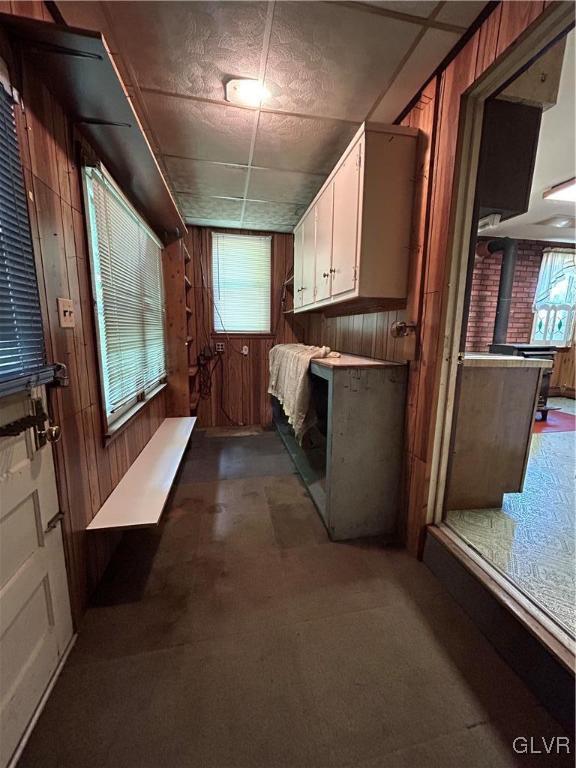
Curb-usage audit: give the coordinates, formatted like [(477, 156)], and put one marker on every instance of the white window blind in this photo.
[(128, 292), (241, 280), (21, 334)]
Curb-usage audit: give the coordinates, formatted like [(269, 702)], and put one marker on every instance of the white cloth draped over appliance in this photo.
[(290, 383)]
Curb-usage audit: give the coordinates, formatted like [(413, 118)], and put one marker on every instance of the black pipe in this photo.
[(509, 250)]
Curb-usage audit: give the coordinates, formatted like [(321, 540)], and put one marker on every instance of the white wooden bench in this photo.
[(139, 498)]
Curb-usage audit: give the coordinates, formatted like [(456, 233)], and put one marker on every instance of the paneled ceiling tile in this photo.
[(283, 186), (271, 216), (460, 12), (427, 55), (330, 60), (200, 131), (301, 144), (190, 47), (204, 178), (421, 8), (195, 207)]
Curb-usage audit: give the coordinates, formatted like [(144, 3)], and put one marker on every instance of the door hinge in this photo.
[(355, 273), (359, 158)]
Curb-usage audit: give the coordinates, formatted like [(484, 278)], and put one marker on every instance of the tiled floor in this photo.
[(531, 540), (237, 635)]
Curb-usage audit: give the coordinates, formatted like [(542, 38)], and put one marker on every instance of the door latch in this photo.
[(53, 522), (36, 419)]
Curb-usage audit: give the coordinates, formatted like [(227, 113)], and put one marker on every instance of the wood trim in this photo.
[(127, 418), (557, 642), (176, 321)]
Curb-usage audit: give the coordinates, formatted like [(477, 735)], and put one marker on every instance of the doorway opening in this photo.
[(506, 447)]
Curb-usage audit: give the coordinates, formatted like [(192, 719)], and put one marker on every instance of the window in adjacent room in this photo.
[(241, 281), (555, 299), (22, 354), (128, 294)]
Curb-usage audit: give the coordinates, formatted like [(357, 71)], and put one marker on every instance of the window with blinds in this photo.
[(241, 281), (128, 293), (21, 334)]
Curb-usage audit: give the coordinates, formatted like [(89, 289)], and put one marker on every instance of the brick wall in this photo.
[(485, 294)]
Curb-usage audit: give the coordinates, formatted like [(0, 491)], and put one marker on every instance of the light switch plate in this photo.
[(66, 313)]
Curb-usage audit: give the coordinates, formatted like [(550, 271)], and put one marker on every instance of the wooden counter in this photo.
[(353, 361), (495, 402)]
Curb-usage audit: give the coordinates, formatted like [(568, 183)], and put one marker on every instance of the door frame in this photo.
[(555, 22), (547, 29)]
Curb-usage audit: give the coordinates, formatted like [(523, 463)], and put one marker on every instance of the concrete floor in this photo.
[(237, 635)]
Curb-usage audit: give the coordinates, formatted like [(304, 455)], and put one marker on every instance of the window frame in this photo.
[(215, 334), (125, 413), (551, 309)]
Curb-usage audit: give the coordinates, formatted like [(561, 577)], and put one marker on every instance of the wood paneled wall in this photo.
[(563, 379), (87, 471), (176, 297), (499, 31), (239, 383)]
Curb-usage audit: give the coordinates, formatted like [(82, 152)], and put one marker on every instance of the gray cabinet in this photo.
[(352, 464)]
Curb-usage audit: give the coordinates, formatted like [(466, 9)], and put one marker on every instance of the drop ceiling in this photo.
[(555, 163), (328, 66)]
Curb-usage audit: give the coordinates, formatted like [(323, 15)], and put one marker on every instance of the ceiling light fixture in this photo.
[(565, 191), (245, 92)]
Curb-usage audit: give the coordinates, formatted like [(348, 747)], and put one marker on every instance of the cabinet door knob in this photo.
[(325, 274), (332, 270)]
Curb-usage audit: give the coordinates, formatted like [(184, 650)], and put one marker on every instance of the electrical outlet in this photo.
[(245, 350), (66, 313), (219, 346)]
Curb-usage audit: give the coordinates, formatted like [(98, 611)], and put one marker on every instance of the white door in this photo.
[(324, 211), (308, 260), (345, 229), (298, 263), (35, 620)]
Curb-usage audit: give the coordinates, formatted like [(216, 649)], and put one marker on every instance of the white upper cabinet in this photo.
[(324, 218), (354, 240), (345, 221), (306, 287), (298, 264)]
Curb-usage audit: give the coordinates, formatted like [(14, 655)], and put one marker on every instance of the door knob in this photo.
[(51, 434)]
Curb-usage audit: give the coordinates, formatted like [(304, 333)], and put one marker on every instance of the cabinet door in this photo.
[(298, 263), (345, 228), (309, 258), (324, 210)]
